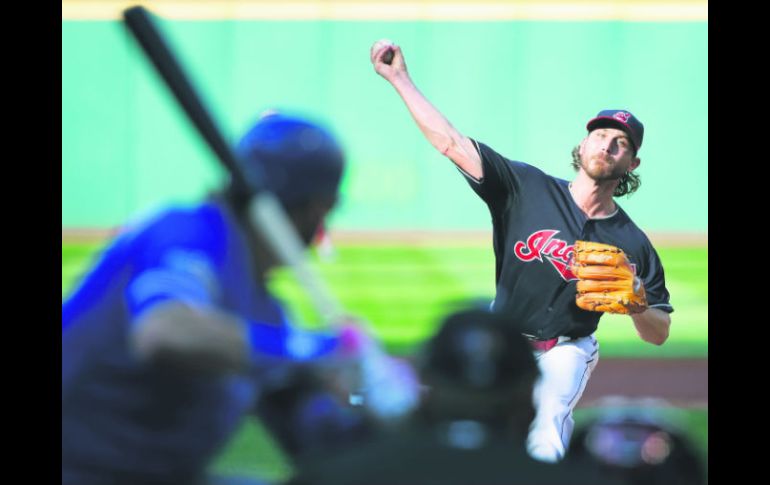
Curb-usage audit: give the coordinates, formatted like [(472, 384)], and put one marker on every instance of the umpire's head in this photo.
[(299, 161), (640, 445), (478, 366)]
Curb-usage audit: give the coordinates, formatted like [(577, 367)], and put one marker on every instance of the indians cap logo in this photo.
[(622, 116)]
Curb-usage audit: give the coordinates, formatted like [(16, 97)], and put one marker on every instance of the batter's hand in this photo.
[(380, 52), (606, 280), (388, 387)]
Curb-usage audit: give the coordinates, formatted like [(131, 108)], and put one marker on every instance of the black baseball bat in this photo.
[(144, 30), (267, 215)]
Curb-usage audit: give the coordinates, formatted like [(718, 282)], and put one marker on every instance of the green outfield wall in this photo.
[(526, 88)]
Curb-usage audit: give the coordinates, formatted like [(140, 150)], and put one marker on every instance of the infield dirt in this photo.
[(681, 382)]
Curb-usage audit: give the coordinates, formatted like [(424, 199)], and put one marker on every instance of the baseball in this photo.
[(387, 58)]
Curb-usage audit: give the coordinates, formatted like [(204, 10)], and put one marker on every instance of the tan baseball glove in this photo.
[(606, 280)]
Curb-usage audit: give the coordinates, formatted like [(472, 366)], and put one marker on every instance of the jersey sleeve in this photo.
[(500, 179), (654, 281), (176, 257), (180, 257)]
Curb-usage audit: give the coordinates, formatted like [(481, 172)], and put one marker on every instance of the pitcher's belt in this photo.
[(546, 345)]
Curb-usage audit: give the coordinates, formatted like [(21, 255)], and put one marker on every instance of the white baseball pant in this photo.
[(565, 370)]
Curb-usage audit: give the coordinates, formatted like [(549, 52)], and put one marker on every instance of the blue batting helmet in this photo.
[(294, 158)]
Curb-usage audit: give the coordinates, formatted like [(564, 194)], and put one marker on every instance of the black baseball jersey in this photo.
[(535, 225)]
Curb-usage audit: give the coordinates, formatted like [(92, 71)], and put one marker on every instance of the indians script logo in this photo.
[(543, 244), (622, 116)]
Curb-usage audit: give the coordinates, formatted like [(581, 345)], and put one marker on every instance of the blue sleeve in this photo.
[(287, 341), (178, 256)]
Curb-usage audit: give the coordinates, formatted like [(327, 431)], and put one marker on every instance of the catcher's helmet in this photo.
[(294, 158), (478, 350)]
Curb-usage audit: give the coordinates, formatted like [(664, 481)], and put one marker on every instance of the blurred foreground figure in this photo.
[(637, 442), (471, 425), (172, 337)]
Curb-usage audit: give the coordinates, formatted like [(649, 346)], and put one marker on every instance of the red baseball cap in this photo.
[(621, 119)]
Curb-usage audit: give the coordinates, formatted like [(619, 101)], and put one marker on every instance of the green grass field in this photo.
[(404, 290)]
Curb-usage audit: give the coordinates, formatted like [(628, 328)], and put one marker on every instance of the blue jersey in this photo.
[(121, 416), (535, 224)]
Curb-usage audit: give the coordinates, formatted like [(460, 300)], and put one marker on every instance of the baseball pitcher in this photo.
[(565, 252)]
